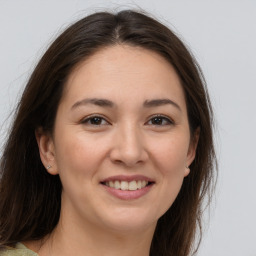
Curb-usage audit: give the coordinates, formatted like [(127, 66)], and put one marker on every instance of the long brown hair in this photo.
[(30, 197)]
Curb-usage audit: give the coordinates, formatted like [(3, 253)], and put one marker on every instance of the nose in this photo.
[(128, 146)]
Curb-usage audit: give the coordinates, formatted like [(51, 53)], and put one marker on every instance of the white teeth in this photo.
[(143, 183), (117, 184), (133, 185), (111, 184), (139, 184), (125, 185)]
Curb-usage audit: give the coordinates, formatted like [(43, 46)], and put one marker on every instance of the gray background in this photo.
[(222, 36)]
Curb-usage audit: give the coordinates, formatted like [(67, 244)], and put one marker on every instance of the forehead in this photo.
[(124, 70)]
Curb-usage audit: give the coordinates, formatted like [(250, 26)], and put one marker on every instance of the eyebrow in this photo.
[(160, 102), (94, 101), (108, 103)]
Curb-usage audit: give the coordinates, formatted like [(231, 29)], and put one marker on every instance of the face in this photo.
[(121, 141)]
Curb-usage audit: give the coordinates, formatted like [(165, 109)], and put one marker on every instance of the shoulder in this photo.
[(18, 250)]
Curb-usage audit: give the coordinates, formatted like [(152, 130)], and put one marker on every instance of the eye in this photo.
[(95, 121), (159, 120)]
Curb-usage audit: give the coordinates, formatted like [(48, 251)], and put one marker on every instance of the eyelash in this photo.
[(99, 118), (87, 120), (162, 118)]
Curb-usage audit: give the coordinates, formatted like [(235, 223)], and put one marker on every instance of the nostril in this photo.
[(118, 161)]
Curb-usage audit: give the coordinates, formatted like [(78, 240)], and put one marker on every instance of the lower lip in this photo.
[(128, 194)]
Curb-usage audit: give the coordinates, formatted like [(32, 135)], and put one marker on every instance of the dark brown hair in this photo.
[(31, 198)]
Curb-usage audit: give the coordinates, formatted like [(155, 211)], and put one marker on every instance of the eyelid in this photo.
[(87, 118), (162, 116)]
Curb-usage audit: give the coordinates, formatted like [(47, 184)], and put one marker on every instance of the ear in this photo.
[(46, 150), (192, 149)]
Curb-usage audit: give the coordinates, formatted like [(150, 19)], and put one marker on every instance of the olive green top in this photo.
[(19, 250)]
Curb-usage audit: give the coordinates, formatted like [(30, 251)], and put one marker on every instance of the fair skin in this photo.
[(122, 121)]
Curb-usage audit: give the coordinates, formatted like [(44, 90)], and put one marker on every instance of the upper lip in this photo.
[(127, 178)]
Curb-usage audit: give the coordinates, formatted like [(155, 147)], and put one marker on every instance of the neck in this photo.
[(75, 239)]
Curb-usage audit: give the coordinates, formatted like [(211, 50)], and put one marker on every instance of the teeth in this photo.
[(143, 183), (117, 184), (111, 184), (125, 185), (133, 185)]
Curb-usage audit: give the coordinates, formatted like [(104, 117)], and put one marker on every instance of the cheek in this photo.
[(77, 154), (170, 161), (170, 155)]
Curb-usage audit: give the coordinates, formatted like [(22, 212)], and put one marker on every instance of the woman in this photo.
[(111, 150)]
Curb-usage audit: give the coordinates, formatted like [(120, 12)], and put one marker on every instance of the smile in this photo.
[(127, 185)]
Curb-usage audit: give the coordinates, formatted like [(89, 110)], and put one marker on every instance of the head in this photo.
[(32, 196)]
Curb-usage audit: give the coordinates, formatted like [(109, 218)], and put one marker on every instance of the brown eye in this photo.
[(95, 120), (159, 120)]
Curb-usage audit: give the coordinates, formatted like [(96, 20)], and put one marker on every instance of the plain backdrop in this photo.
[(222, 36)]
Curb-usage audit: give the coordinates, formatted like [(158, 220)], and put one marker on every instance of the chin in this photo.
[(129, 220)]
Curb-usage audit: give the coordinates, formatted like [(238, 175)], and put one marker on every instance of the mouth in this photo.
[(127, 185)]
